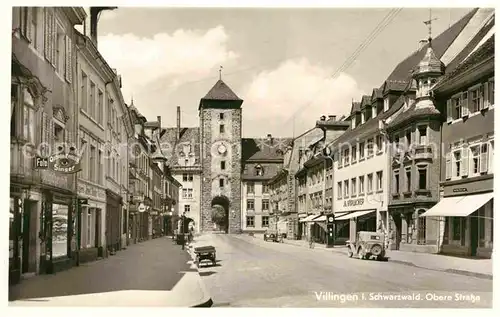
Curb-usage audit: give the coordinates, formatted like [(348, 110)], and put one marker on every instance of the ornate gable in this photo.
[(60, 114)]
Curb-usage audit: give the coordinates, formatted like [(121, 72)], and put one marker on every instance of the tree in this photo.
[(219, 215)]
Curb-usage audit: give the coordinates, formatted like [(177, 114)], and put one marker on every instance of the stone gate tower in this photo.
[(220, 133)]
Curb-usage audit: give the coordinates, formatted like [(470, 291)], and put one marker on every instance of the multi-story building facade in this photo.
[(172, 189), (181, 146), (466, 97), (262, 160), (42, 239), (278, 188), (91, 91), (141, 201)]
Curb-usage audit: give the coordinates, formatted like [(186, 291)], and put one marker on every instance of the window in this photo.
[(58, 133), (187, 193), (92, 164), (339, 190), (221, 182), (386, 104), (353, 187), (361, 184), (379, 180), (346, 156), (223, 165), (221, 128), (353, 153), (250, 221), (100, 109), (483, 165), (476, 99), (221, 116), (91, 105), (250, 204), (457, 163), (250, 188), (475, 162), (408, 138), (265, 221), (369, 147), (422, 132), (408, 180), (29, 117), (421, 227), (89, 227), (396, 183), (422, 178), (370, 183), (265, 204), (379, 141), (374, 111), (361, 150), (491, 91), (187, 177), (265, 189), (456, 108), (99, 168), (60, 46), (346, 189), (187, 208), (33, 27)]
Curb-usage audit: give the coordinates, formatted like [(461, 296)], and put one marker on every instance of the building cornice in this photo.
[(76, 15)]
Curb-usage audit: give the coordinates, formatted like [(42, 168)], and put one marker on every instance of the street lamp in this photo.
[(326, 154)]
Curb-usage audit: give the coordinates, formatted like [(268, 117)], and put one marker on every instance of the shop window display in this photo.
[(59, 230)]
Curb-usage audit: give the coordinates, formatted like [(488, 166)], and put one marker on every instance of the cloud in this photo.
[(296, 87), (181, 56)]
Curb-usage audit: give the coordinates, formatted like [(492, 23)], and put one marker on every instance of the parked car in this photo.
[(271, 235), (367, 245)]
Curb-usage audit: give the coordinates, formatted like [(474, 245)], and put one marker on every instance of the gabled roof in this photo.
[(376, 93), (263, 149), (394, 85), (484, 52), (440, 44), (169, 142), (413, 112), (355, 107), (366, 101), (221, 91)]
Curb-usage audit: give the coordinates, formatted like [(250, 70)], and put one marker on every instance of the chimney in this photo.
[(94, 13), (178, 122), (422, 43), (322, 118), (270, 138), (332, 117)]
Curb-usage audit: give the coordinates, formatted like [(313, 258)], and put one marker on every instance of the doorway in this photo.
[(474, 233), (28, 234), (220, 212), (396, 233)]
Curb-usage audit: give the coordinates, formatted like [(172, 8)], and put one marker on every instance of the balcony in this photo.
[(423, 152)]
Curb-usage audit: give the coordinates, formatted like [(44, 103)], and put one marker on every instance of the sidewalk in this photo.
[(151, 273), (482, 268)]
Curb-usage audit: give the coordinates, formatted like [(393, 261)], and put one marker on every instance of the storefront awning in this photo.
[(309, 218), (320, 219), (354, 214), (460, 206)]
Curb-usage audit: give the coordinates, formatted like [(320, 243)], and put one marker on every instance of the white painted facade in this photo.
[(254, 206), (360, 197), (190, 196)]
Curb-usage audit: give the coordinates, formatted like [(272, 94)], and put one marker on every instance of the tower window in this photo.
[(223, 165), (221, 182), (221, 128), (221, 116)]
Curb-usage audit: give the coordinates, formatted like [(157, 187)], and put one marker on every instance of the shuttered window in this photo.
[(464, 168), (448, 166), (484, 158), (464, 103), (68, 69)]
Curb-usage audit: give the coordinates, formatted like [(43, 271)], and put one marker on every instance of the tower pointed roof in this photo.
[(221, 91), (430, 63)]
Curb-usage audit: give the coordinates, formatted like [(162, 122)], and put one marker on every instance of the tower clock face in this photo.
[(221, 149)]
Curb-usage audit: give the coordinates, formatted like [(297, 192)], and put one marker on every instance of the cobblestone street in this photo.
[(251, 272)]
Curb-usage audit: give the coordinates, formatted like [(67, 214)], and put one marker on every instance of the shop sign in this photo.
[(460, 190), (61, 163), (141, 208), (354, 202)]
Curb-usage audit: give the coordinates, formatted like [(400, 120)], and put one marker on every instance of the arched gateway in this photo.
[(220, 213)]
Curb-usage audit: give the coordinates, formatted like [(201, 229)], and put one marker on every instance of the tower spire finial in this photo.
[(220, 72), (429, 25)]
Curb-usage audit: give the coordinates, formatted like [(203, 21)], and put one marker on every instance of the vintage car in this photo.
[(271, 235), (367, 245)]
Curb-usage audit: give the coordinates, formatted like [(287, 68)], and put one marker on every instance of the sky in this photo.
[(290, 66)]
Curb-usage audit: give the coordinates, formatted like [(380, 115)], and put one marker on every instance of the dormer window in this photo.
[(353, 123), (374, 110), (386, 104), (362, 117), (259, 171)]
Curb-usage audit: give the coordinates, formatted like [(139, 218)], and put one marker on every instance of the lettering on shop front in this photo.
[(460, 190), (354, 202)]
